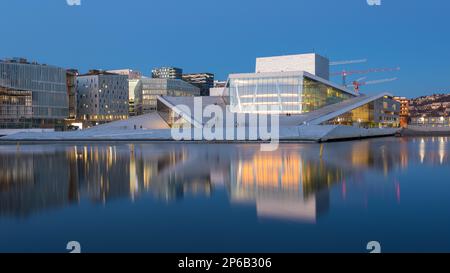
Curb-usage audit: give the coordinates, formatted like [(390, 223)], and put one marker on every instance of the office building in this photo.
[(204, 81), (32, 95), (71, 79), (151, 88), (102, 97), (134, 85), (130, 73), (167, 73)]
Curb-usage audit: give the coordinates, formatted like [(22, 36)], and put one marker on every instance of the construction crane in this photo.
[(356, 84), (345, 73), (348, 62)]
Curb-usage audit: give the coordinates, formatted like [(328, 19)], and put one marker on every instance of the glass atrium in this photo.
[(284, 94)]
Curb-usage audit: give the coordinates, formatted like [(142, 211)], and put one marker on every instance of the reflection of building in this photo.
[(283, 185), (404, 111), (34, 182), (204, 81), (167, 73), (291, 183), (145, 100), (102, 97), (32, 95)]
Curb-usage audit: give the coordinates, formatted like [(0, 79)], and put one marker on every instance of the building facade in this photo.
[(431, 121), (312, 63), (32, 95), (102, 97), (133, 86), (382, 112), (283, 92), (71, 79), (167, 73), (130, 73), (297, 96), (404, 111), (146, 97), (204, 81)]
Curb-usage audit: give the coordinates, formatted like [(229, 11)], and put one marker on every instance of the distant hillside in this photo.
[(434, 105)]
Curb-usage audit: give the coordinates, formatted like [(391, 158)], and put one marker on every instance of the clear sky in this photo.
[(225, 36)]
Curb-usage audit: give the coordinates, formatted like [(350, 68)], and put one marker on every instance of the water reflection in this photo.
[(292, 183)]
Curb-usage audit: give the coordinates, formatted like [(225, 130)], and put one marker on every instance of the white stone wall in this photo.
[(312, 63)]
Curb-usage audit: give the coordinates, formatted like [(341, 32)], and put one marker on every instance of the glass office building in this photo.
[(283, 92), (32, 95), (145, 99)]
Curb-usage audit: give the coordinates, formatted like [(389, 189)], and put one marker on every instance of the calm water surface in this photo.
[(227, 197)]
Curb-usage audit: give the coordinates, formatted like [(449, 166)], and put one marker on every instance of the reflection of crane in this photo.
[(348, 62), (356, 84), (345, 73)]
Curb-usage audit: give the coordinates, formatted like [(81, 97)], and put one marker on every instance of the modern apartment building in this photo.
[(150, 89), (102, 97), (204, 81), (167, 73), (134, 85), (32, 95)]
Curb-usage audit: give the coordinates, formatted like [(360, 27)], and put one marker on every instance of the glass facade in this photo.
[(32, 95), (379, 113), (173, 119), (145, 100), (286, 94)]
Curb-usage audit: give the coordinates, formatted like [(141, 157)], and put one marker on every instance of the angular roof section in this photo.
[(175, 102), (331, 111)]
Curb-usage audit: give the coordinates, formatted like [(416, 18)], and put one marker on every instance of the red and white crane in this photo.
[(356, 84), (346, 73)]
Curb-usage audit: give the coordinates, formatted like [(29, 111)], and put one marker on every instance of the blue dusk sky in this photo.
[(226, 36)]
